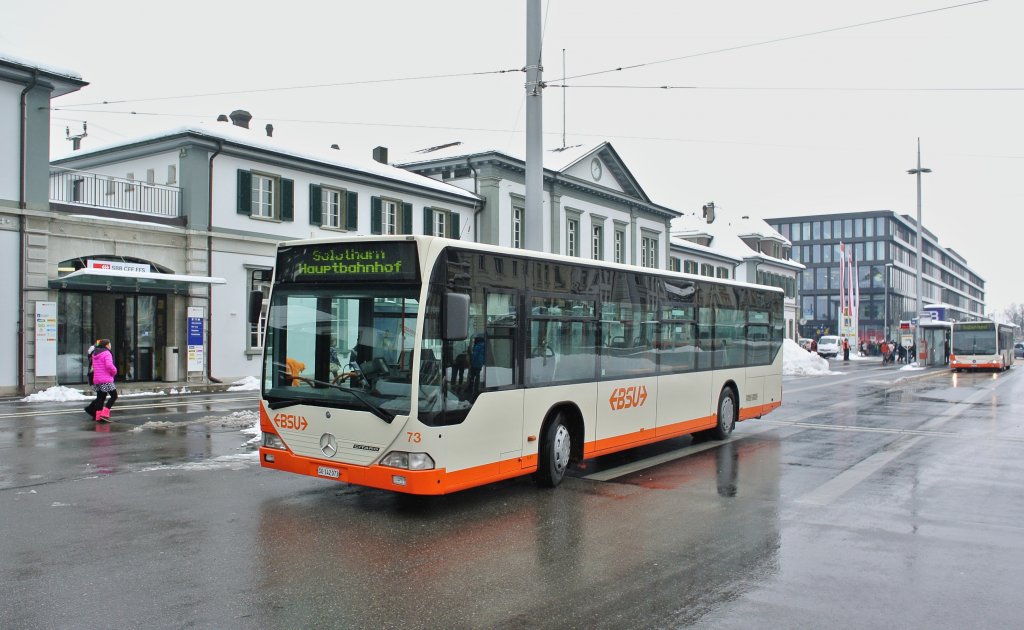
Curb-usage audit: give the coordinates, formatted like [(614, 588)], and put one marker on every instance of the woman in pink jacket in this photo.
[(103, 373)]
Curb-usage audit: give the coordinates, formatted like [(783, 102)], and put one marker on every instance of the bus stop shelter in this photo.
[(934, 350)]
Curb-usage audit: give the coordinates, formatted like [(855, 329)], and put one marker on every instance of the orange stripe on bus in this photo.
[(440, 481), (956, 365)]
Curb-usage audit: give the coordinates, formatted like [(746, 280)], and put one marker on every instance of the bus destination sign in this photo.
[(975, 326), (348, 262)]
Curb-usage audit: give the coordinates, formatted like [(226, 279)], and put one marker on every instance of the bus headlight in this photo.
[(273, 440), (408, 461)]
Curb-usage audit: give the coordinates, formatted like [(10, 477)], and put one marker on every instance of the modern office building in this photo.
[(884, 247)]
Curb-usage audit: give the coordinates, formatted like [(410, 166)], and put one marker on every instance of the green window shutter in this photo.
[(406, 218), (428, 223), (352, 211), (315, 205), (244, 192), (375, 218), (287, 199), (454, 225)]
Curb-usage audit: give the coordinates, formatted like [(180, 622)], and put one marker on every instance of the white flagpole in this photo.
[(842, 282)]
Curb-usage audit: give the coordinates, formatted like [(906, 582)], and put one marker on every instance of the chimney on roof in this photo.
[(270, 130), (241, 118), (336, 147), (223, 118), (709, 212), (380, 154)]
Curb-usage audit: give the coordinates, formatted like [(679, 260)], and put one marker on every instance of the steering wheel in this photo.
[(343, 377)]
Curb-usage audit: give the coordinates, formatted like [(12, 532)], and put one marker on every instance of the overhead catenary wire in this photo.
[(774, 41), (298, 87), (791, 88), (520, 69)]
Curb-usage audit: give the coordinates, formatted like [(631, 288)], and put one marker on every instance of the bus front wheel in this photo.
[(555, 448), (726, 415)]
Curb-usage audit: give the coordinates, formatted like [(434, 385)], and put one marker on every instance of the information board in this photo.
[(46, 339), (196, 339)]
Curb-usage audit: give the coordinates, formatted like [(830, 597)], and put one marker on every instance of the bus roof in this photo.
[(429, 241)]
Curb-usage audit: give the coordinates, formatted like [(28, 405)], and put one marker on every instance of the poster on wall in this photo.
[(196, 339), (46, 339)]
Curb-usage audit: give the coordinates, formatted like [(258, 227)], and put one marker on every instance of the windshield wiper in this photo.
[(377, 410)]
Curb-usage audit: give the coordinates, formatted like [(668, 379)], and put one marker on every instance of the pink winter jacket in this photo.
[(103, 368)]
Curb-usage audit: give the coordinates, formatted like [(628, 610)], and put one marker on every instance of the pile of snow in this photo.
[(798, 362), (58, 393), (247, 384), (913, 367)]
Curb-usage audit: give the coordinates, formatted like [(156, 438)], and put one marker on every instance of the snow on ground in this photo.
[(239, 461), (61, 393), (798, 362), (247, 421), (911, 368), (58, 393), (247, 384)]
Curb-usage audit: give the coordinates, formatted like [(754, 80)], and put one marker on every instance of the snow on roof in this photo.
[(711, 251), (19, 61), (726, 235), (257, 139), (558, 159)]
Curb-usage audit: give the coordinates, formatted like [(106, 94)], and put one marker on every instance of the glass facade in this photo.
[(878, 242)]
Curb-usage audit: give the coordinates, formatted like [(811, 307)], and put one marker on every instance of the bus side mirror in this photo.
[(255, 306), (456, 316)]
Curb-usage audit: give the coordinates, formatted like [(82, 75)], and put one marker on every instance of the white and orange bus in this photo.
[(981, 345), (426, 365)]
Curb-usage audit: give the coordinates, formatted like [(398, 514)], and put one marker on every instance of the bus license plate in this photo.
[(326, 471)]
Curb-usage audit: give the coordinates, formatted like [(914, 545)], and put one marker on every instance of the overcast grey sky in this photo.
[(818, 124)]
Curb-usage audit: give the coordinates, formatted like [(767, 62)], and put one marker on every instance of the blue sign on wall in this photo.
[(195, 331), (196, 339)]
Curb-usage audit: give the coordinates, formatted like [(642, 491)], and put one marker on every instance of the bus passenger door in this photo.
[(627, 392)]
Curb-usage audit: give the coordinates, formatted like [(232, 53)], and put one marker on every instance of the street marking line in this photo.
[(851, 477), (846, 481), (626, 469)]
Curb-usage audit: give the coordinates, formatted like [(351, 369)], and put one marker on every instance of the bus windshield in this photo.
[(974, 342), (341, 346)]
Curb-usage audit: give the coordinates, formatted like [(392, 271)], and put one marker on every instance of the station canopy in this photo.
[(118, 281)]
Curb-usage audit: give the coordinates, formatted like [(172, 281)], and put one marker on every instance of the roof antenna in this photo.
[(76, 141), (563, 98)]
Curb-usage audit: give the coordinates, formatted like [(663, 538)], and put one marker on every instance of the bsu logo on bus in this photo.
[(626, 397), (290, 421)]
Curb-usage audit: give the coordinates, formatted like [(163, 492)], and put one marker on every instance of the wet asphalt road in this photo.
[(875, 498)]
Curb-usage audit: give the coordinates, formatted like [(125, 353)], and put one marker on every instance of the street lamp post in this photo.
[(920, 248), (885, 325)]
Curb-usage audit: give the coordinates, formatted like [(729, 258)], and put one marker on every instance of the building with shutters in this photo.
[(157, 242)]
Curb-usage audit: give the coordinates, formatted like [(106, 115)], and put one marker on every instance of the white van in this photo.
[(830, 346)]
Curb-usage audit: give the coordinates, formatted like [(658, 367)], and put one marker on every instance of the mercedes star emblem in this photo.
[(328, 445)]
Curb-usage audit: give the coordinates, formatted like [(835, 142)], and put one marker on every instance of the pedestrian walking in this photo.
[(884, 350), (846, 349), (103, 373)]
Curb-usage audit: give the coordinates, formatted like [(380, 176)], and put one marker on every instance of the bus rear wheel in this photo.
[(555, 449), (726, 415)]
